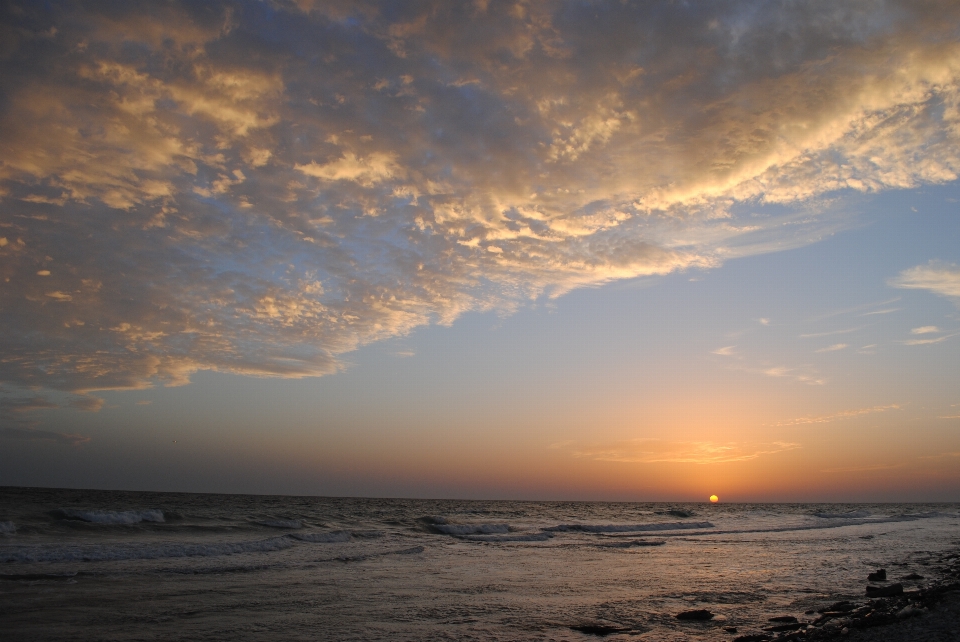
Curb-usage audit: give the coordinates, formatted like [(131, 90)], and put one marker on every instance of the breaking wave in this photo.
[(323, 538), (529, 537), (110, 516), (282, 523), (470, 529), (629, 528)]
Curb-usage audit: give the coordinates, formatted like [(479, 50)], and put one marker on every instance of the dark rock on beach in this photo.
[(885, 591), (878, 576), (599, 629), (929, 613), (730, 629), (839, 607), (912, 576), (699, 614), (783, 627)]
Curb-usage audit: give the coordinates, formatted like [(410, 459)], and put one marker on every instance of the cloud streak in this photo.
[(259, 188), (846, 414), (658, 451), (943, 279)]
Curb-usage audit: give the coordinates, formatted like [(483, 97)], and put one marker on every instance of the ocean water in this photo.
[(104, 565)]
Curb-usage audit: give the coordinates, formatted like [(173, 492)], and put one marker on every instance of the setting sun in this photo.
[(714, 499)]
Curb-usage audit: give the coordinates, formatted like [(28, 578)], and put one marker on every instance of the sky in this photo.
[(642, 251)]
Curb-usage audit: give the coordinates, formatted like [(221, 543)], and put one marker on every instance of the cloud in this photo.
[(208, 195), (862, 469), (846, 414), (376, 168), (87, 403), (31, 434), (831, 333), (834, 347), (927, 329), (938, 277), (726, 351), (924, 342), (653, 451)]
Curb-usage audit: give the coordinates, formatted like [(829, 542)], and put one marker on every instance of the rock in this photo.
[(885, 591), (783, 627), (783, 618), (596, 628), (913, 576), (844, 631), (842, 607), (753, 638), (908, 611), (730, 629), (878, 576), (700, 614), (809, 612)]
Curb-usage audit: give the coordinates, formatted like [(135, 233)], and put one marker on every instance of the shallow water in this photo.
[(122, 565)]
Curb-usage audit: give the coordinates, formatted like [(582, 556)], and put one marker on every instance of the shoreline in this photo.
[(930, 613)]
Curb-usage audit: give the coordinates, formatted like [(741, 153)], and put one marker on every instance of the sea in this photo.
[(108, 565)]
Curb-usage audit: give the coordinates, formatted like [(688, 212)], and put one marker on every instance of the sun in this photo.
[(714, 499)]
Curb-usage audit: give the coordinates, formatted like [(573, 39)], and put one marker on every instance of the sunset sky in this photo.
[(534, 250)]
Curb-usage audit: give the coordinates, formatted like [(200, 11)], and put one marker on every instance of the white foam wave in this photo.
[(282, 523), (8, 528), (143, 552), (835, 523), (629, 528), (110, 516), (471, 529), (528, 537), (323, 538)]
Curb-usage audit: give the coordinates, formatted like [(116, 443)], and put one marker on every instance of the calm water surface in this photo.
[(103, 565)]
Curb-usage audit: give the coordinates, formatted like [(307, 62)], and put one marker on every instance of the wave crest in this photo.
[(323, 538), (629, 528), (470, 529), (281, 523), (110, 516)]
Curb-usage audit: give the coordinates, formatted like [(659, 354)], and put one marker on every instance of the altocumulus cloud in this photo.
[(259, 187)]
